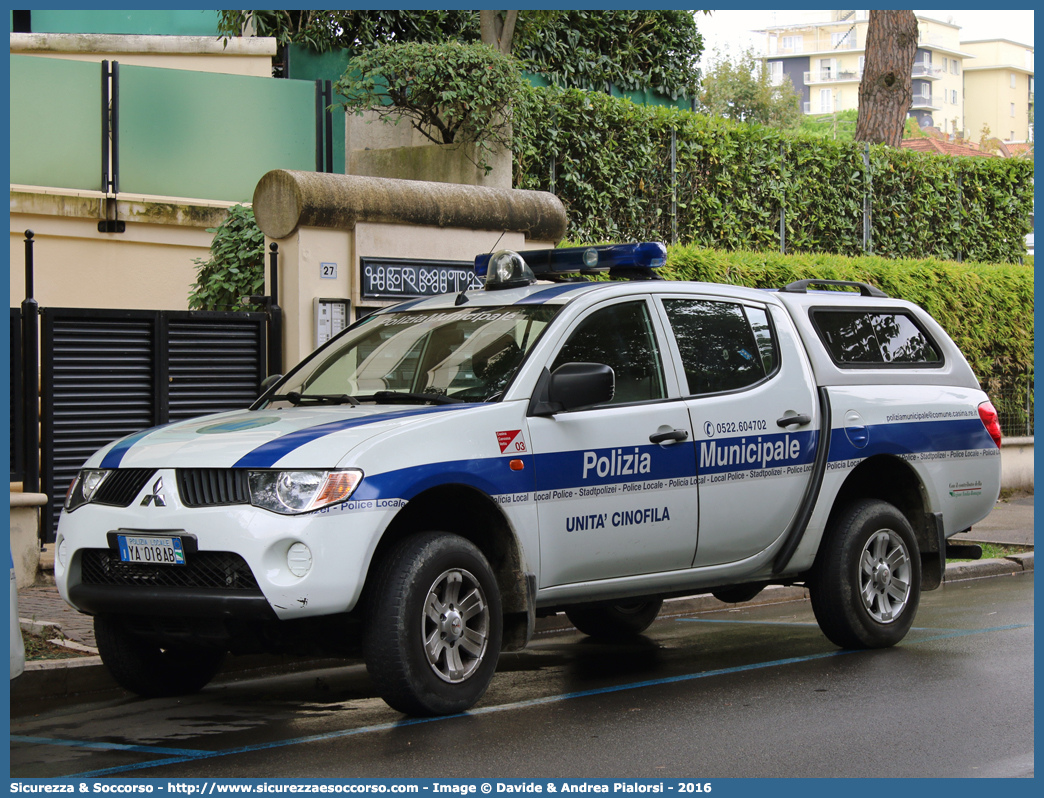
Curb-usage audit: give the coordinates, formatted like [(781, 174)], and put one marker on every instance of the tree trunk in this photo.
[(885, 93), (497, 29)]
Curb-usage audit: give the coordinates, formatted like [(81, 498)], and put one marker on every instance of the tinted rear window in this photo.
[(875, 338)]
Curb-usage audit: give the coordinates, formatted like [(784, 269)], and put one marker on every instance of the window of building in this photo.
[(1013, 109), (862, 60), (792, 44), (844, 40), (953, 93), (945, 64), (955, 67), (826, 104), (775, 70), (1013, 80)]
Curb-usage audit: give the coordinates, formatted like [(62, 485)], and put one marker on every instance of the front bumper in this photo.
[(242, 549)]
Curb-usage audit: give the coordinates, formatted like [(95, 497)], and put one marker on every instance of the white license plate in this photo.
[(151, 550)]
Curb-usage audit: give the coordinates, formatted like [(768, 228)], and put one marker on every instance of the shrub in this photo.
[(236, 266), (452, 93)]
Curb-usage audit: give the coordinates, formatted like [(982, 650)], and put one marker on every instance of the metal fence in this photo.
[(1015, 408)]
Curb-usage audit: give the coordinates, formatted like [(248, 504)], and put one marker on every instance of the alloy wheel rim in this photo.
[(455, 625), (884, 576)]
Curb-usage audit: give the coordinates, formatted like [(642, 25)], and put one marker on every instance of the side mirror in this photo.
[(573, 386), (268, 382)]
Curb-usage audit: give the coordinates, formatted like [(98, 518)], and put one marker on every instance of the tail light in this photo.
[(990, 420)]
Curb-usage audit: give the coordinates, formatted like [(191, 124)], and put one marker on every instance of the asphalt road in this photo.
[(753, 692)]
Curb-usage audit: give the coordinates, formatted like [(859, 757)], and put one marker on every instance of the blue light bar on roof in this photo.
[(588, 260)]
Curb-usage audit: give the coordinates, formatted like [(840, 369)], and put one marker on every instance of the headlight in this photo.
[(83, 488), (292, 492)]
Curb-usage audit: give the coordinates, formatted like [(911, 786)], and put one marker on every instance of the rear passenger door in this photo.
[(754, 414)]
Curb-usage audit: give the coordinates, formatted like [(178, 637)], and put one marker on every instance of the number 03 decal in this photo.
[(511, 441)]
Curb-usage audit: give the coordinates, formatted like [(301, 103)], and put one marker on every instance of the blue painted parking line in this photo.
[(533, 702), (142, 749), (798, 623)]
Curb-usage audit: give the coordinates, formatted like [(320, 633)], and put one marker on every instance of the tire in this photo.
[(434, 625), (617, 621), (866, 581), (150, 670)]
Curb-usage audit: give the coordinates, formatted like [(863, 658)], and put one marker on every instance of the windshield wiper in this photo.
[(295, 398), (405, 396)]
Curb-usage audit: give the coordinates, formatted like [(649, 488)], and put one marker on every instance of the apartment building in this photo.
[(823, 53), (998, 88)]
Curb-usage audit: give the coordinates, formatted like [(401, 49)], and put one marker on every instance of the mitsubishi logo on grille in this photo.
[(156, 496)]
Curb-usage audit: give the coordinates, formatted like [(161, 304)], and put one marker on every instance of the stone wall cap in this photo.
[(1026, 440), (28, 499), (285, 200), (141, 43)]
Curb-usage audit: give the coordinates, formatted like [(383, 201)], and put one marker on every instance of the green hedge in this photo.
[(609, 161), (986, 308)]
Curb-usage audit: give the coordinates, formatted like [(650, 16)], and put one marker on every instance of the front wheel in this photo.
[(614, 621), (151, 670), (434, 625), (866, 583)]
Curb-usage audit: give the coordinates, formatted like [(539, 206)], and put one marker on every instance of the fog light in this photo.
[(63, 552), (299, 559)]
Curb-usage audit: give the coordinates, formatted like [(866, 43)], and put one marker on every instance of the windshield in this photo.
[(421, 356)]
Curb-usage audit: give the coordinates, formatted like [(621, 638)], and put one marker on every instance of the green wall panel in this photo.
[(304, 64), (152, 22), (209, 136), (55, 122)]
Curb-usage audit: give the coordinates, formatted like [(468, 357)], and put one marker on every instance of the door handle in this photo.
[(800, 419), (672, 436)]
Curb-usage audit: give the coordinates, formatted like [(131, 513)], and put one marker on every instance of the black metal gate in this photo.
[(108, 373)]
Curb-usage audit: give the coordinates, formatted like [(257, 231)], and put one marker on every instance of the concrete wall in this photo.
[(148, 266), (302, 252), (1017, 463), (377, 149), (242, 56), (25, 541)]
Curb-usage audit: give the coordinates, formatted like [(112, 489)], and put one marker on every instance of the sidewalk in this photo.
[(1010, 523)]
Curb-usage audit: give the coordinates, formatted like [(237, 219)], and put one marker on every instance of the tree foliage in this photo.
[(236, 266), (626, 48), (742, 90), (452, 93), (352, 30), (575, 49)]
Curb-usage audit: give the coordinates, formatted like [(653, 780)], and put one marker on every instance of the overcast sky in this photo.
[(731, 28)]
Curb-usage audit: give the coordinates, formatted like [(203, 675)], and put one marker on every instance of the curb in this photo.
[(87, 677)]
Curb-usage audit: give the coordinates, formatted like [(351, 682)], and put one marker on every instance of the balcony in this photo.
[(923, 70), (819, 108), (922, 102), (832, 76)]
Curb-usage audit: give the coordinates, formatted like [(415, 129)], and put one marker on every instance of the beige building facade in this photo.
[(822, 53), (999, 89)]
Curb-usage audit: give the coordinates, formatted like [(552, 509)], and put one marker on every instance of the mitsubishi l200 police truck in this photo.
[(448, 469)]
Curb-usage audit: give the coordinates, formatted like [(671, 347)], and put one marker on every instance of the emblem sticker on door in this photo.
[(511, 441)]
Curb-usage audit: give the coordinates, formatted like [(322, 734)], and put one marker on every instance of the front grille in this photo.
[(213, 487), (210, 569), (122, 486)]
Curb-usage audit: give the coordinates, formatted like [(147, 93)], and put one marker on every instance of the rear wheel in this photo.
[(615, 621), (867, 577), (149, 669), (433, 631)]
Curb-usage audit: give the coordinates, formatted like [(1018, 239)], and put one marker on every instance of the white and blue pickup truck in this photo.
[(448, 469)]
